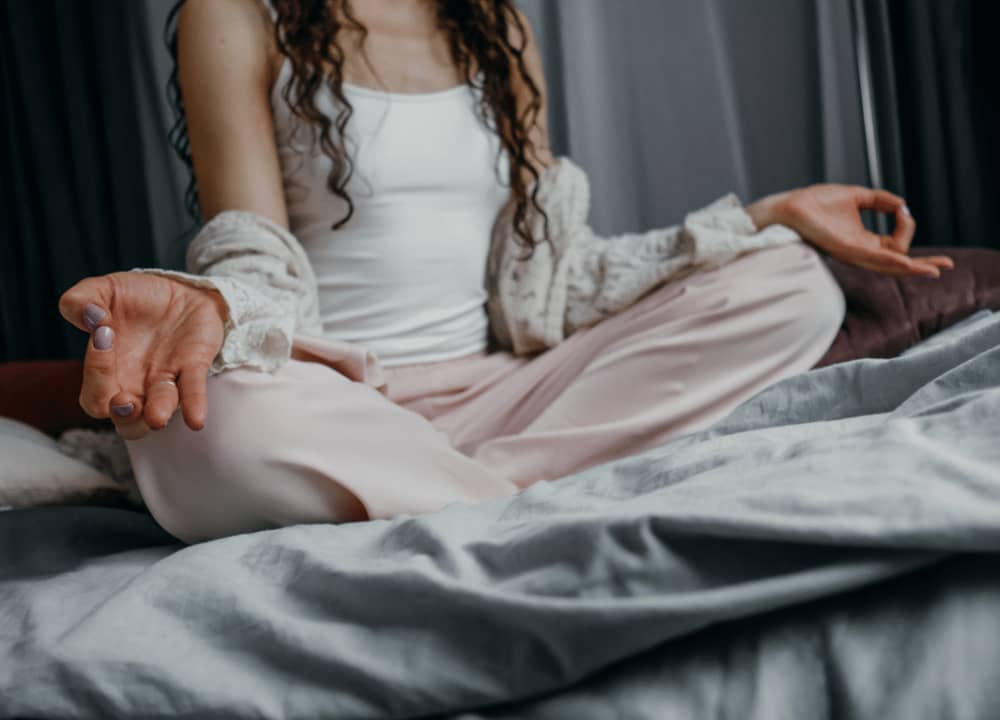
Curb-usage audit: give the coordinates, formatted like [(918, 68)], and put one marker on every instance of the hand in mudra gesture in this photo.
[(152, 341), (829, 217)]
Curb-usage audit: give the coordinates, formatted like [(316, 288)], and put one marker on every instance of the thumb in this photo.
[(100, 373), (87, 304)]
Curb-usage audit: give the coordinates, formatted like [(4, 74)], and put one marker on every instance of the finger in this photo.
[(941, 261), (906, 272), (906, 226), (916, 269), (100, 375), (125, 406), (931, 267), (886, 202), (126, 414), (921, 268), (162, 397), (880, 200), (897, 242), (891, 262), (880, 257), (194, 396), (919, 264), (87, 304)]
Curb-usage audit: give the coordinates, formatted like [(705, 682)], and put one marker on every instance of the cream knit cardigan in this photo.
[(266, 279)]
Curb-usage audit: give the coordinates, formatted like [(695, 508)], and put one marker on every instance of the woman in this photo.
[(391, 178)]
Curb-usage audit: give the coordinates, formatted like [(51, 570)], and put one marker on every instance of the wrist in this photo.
[(767, 211), (221, 306)]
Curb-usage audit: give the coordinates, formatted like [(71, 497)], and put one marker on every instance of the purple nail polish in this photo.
[(102, 338), (92, 314), (123, 410)]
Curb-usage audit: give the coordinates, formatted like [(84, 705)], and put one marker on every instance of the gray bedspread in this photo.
[(828, 550)]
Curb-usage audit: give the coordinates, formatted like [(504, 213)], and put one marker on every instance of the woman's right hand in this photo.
[(145, 329)]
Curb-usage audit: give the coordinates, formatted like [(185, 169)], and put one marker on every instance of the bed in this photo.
[(827, 550)]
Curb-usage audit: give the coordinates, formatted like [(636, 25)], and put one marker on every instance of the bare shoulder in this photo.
[(236, 34), (238, 15)]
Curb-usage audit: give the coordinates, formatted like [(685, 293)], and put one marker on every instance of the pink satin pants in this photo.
[(333, 436)]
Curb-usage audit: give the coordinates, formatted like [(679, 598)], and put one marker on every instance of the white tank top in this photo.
[(405, 276)]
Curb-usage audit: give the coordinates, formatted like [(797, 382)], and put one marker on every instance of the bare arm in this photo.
[(146, 329), (533, 65), (225, 54)]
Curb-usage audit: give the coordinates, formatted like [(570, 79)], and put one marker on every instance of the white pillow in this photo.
[(34, 471)]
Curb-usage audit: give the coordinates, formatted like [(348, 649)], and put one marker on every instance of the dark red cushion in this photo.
[(886, 315), (45, 394)]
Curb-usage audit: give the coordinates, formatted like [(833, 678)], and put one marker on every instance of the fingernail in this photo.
[(123, 410), (92, 314), (907, 211), (102, 338)]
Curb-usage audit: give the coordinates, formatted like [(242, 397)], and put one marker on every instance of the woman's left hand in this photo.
[(829, 217)]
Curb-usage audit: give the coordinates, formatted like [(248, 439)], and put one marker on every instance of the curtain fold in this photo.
[(76, 203), (938, 113), (885, 94), (669, 104), (166, 177)]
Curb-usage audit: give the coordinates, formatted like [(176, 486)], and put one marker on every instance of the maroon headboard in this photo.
[(45, 394), (886, 315)]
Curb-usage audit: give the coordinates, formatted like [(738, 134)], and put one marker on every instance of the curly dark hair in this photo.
[(478, 31)]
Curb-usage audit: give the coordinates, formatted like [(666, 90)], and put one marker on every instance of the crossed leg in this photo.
[(677, 361), (307, 444)]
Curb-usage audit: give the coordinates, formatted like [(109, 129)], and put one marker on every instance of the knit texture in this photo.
[(580, 278)]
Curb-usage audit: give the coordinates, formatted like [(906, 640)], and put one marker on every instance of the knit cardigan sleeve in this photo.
[(580, 277), (266, 280)]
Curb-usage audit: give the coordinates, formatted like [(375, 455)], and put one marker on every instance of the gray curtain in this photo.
[(670, 103), (74, 201), (166, 176), (938, 112)]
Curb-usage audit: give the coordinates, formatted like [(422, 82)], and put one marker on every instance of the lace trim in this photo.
[(264, 276)]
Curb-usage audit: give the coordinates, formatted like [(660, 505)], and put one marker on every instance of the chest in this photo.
[(431, 150), (402, 49)]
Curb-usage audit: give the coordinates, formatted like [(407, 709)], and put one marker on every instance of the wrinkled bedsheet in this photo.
[(827, 550)]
